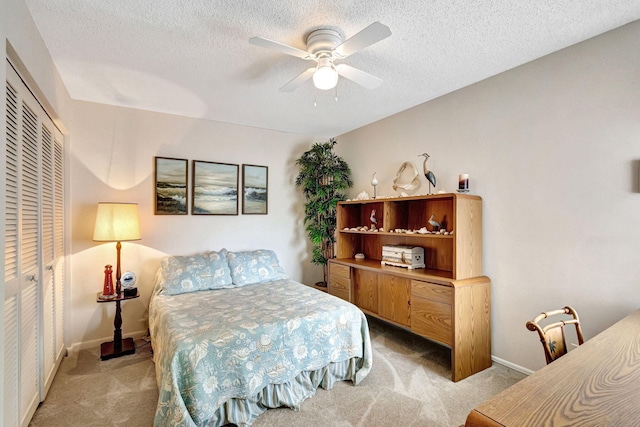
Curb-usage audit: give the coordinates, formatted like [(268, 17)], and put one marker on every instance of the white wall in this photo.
[(553, 148), (112, 159)]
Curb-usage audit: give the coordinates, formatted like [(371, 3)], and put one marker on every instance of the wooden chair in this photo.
[(552, 336)]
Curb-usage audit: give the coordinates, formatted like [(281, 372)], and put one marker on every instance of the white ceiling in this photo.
[(192, 58)]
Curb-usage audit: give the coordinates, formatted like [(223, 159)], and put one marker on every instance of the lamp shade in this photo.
[(117, 222)]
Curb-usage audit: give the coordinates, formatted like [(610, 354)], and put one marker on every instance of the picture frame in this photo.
[(255, 190), (170, 186), (214, 188)]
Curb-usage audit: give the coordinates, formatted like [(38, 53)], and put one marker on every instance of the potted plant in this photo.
[(323, 176)]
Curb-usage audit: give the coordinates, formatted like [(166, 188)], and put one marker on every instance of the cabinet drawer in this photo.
[(339, 270), (340, 293), (340, 287), (432, 319), (432, 291)]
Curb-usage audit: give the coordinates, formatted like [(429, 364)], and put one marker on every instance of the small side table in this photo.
[(118, 347)]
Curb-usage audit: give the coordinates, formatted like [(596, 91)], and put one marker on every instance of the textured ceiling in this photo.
[(192, 58)]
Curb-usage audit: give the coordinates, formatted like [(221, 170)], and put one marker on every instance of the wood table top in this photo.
[(596, 384)]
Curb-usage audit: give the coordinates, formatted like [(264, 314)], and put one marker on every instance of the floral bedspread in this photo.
[(226, 355)]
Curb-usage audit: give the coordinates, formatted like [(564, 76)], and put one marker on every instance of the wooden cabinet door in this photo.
[(366, 290), (394, 294), (431, 311)]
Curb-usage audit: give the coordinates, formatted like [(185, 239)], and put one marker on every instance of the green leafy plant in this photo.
[(323, 176)]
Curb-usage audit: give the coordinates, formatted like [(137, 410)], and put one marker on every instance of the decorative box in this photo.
[(403, 256)]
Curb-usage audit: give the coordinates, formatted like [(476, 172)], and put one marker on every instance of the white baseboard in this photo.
[(84, 345), (512, 365)]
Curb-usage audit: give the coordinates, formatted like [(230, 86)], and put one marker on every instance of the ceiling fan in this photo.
[(324, 46)]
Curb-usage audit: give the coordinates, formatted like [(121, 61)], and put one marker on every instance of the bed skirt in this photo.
[(243, 412)]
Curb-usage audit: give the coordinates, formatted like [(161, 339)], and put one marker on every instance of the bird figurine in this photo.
[(373, 217), (435, 224), (427, 173)]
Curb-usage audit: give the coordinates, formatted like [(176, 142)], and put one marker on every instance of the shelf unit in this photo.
[(449, 300), (454, 256)]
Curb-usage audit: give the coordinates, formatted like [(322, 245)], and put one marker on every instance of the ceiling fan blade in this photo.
[(279, 47), (301, 78), (370, 35), (358, 76)]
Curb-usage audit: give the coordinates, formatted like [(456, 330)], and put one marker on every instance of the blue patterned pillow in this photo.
[(252, 267), (183, 274)]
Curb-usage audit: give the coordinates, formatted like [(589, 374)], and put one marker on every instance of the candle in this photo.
[(463, 182)]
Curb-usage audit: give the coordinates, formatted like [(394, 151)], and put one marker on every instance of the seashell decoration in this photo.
[(363, 196), (374, 229)]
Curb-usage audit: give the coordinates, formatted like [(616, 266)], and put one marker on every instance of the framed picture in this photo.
[(255, 195), (215, 188), (171, 186)]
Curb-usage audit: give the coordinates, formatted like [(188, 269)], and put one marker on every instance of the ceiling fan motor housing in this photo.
[(323, 40)]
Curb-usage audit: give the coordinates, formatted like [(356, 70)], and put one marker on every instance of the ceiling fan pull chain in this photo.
[(336, 94)]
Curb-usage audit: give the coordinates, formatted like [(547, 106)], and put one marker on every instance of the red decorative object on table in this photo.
[(107, 290)]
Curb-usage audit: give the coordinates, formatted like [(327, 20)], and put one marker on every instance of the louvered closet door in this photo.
[(32, 339), (11, 414), (58, 250)]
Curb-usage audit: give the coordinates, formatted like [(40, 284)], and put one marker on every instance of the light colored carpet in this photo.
[(409, 385)]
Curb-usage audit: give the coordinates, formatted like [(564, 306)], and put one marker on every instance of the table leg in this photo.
[(117, 331), (118, 347)]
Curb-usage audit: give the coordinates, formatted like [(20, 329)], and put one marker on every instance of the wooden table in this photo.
[(118, 347), (596, 384)]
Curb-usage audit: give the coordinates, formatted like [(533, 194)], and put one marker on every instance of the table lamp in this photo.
[(117, 222)]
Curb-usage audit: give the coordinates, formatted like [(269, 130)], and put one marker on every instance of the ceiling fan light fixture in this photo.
[(325, 77)]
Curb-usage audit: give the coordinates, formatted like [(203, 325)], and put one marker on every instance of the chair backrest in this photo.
[(552, 336)]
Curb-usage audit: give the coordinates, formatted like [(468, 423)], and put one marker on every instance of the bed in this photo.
[(233, 336)]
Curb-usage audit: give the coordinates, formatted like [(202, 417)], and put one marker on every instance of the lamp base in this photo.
[(108, 349)]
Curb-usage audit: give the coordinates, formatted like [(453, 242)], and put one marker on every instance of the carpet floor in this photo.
[(409, 385)]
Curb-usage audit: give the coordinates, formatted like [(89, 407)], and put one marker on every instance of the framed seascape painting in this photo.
[(255, 189), (171, 186), (215, 188)]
